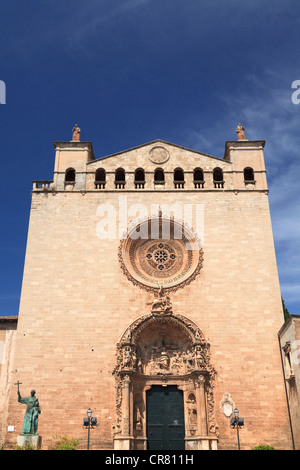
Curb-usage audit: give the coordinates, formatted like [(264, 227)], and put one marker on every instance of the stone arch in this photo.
[(163, 349), (134, 329)]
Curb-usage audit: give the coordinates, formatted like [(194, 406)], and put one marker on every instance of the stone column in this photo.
[(201, 406), (126, 406)]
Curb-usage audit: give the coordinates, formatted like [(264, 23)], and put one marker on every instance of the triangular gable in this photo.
[(158, 153)]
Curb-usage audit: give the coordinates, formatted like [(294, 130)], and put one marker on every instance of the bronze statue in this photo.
[(32, 412)]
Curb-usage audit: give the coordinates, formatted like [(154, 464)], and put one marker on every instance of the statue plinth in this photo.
[(34, 440)]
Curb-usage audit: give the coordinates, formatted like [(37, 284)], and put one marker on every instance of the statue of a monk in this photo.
[(32, 412), (240, 130), (76, 133)]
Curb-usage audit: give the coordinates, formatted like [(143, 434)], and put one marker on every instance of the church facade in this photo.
[(151, 295)]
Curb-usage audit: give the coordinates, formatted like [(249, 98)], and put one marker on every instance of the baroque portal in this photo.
[(161, 348)]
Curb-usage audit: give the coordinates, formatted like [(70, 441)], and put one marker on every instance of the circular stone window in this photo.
[(170, 261), (159, 155)]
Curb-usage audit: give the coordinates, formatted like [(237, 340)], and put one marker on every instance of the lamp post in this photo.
[(89, 423), (238, 423)]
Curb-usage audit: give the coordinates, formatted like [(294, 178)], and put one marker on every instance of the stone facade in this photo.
[(289, 338), (104, 318), (8, 329)]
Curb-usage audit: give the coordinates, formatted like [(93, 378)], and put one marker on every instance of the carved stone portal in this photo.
[(164, 349)]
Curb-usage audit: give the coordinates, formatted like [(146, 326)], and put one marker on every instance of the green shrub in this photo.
[(66, 447), (66, 443), (27, 446), (263, 447)]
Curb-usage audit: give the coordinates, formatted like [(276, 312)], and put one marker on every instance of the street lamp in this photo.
[(238, 423), (89, 423)]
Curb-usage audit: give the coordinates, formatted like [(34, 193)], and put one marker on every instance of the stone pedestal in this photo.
[(34, 440), (123, 443), (201, 443)]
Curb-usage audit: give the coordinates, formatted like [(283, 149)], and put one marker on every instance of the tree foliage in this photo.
[(286, 313)]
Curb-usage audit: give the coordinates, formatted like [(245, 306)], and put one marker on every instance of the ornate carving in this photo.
[(191, 407), (227, 405), (212, 428), (161, 256), (138, 414), (167, 347), (159, 155), (162, 305), (174, 261)]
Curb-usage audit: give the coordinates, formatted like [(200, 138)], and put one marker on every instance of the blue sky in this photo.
[(132, 71)]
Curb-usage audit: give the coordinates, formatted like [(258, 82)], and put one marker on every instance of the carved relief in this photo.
[(138, 413), (164, 348), (227, 405), (160, 256), (168, 252), (192, 414), (162, 305), (159, 155), (160, 342)]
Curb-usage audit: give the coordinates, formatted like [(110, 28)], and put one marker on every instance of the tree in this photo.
[(286, 313)]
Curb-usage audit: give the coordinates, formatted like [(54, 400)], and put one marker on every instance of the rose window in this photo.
[(167, 262)]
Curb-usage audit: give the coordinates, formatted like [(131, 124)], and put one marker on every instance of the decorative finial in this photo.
[(240, 130), (76, 133)]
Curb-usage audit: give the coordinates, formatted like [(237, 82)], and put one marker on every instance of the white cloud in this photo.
[(273, 117), (90, 17), (265, 108), (292, 293)]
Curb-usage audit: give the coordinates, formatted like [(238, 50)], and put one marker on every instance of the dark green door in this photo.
[(165, 418)]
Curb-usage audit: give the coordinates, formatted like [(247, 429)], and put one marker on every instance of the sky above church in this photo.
[(132, 71)]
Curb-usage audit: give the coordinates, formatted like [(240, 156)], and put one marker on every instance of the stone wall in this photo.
[(76, 302), (289, 338), (8, 326)]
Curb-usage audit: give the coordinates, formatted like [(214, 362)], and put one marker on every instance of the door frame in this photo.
[(166, 425), (195, 378)]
